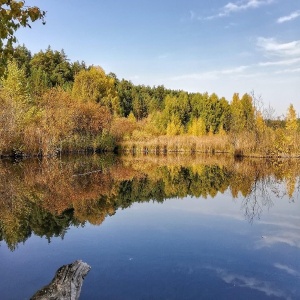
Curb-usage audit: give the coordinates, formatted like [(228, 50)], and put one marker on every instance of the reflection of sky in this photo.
[(287, 269), (236, 280), (180, 249), (280, 223)]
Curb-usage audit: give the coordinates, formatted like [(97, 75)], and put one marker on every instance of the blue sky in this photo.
[(216, 46)]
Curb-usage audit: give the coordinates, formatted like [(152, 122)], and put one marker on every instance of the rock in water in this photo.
[(66, 284)]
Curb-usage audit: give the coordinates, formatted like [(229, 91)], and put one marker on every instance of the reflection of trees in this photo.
[(16, 228), (47, 197), (257, 198)]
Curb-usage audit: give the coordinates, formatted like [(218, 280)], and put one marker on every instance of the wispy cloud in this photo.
[(292, 16), (212, 74), (287, 269), (163, 56), (288, 71), (281, 224), (134, 77), (271, 47), (282, 58), (234, 70), (234, 7), (285, 62), (244, 5), (251, 283), (289, 238), (230, 25), (192, 15)]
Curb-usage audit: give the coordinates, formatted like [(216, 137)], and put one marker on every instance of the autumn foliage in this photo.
[(51, 106)]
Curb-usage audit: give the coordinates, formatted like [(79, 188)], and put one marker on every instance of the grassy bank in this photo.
[(248, 144), (178, 144)]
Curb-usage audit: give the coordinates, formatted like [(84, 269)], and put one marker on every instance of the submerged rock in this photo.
[(66, 284)]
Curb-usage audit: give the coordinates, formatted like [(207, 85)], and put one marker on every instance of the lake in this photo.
[(152, 227)]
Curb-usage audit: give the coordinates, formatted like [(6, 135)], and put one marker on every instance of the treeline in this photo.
[(50, 105), (46, 197)]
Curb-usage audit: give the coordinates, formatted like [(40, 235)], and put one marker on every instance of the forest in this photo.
[(50, 106)]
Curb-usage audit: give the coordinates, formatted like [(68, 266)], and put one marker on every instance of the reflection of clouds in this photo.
[(251, 283), (209, 207), (231, 215), (287, 269), (280, 224), (289, 238), (287, 216)]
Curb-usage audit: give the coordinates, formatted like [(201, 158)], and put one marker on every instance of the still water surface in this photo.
[(152, 228)]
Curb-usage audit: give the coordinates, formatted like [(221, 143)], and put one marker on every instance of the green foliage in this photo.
[(125, 91), (93, 85), (212, 113), (14, 83), (15, 106), (237, 120), (176, 113), (39, 82), (248, 111), (139, 105), (55, 66), (49, 105), (197, 103), (22, 56), (225, 118), (242, 113), (13, 15)]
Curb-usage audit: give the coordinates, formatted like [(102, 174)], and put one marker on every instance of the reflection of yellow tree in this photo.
[(290, 186), (290, 176), (46, 197), (93, 211)]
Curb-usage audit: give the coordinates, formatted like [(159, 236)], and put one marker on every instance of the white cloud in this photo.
[(251, 283), (244, 5), (281, 224), (290, 17), (234, 70), (212, 74), (234, 7), (285, 62), (271, 47), (287, 269), (291, 239), (253, 70), (288, 71)]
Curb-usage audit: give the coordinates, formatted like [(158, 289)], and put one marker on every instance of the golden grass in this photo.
[(245, 144), (178, 144)]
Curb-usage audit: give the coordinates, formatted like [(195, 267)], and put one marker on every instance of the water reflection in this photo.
[(46, 197), (238, 280)]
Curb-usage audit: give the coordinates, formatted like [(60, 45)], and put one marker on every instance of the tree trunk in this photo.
[(66, 284)]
